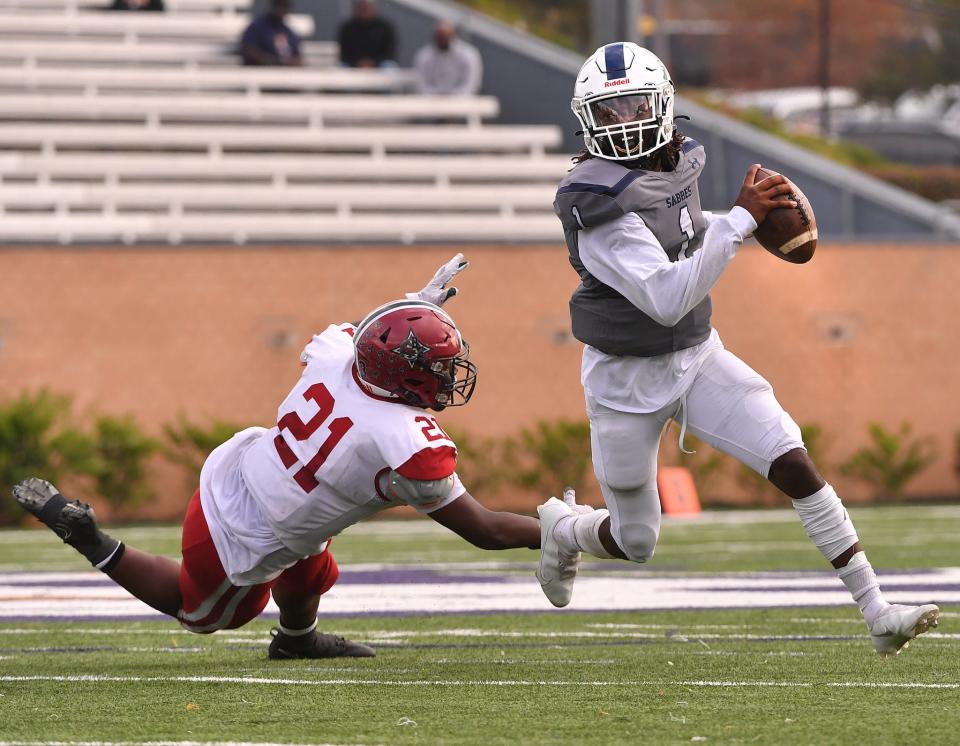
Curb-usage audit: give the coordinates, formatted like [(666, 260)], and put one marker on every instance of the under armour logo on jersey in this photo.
[(694, 163), (411, 349)]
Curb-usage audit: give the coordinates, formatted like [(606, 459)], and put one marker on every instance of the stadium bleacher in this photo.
[(32, 52), (233, 78), (312, 109), (134, 26), (143, 127), (278, 168), (68, 6)]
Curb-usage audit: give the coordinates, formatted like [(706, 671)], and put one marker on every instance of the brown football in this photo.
[(789, 233)]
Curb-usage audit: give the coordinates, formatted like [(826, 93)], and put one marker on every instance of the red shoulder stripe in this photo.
[(430, 463)]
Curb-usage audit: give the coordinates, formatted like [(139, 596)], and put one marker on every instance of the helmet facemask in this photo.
[(628, 125), (438, 384)]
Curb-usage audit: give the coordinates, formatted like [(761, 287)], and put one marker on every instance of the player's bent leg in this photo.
[(636, 534), (209, 601), (624, 450), (794, 474), (619, 443), (297, 592), (829, 527), (733, 408), (151, 578), (625, 447)]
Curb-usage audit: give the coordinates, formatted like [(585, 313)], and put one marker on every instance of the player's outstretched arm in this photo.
[(488, 529)]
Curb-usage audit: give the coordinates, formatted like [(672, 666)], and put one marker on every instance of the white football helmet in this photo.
[(624, 91)]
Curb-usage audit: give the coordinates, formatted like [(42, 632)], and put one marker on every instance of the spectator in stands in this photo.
[(449, 66), (366, 39), (137, 5), (268, 40)]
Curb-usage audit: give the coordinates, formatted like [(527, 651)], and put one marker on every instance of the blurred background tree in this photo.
[(891, 460), (564, 22), (37, 438), (189, 443), (925, 52), (880, 47), (118, 461)]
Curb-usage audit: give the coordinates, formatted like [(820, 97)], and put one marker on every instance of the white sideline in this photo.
[(461, 682)]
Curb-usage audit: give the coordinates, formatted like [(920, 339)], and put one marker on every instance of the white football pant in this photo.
[(729, 406)]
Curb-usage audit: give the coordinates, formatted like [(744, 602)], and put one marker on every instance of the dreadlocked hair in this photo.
[(664, 158)]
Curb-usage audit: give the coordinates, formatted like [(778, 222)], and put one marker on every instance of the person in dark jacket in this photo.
[(366, 39), (137, 5), (268, 40)]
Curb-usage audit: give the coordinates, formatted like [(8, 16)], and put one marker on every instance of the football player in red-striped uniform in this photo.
[(356, 435)]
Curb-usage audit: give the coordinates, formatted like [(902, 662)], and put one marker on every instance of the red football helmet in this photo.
[(412, 350)]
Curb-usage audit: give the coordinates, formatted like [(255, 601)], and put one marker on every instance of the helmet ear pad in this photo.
[(412, 351)]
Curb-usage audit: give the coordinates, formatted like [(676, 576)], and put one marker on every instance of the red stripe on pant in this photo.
[(210, 602)]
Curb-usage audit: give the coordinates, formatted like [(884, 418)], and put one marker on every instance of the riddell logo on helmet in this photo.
[(611, 83)]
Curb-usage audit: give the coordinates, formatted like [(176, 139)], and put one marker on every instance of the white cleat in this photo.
[(558, 569), (896, 625)]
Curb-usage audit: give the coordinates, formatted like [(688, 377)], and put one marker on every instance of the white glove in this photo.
[(436, 291)]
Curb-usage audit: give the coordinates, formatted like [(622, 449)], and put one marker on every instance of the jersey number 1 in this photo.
[(301, 430), (686, 228)]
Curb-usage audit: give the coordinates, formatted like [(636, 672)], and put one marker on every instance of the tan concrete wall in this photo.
[(862, 333)]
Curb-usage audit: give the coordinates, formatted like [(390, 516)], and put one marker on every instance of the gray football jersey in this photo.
[(597, 191)]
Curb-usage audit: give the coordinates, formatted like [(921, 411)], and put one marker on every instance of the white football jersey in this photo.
[(272, 496)]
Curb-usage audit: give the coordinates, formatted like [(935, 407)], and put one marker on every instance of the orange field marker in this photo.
[(678, 493)]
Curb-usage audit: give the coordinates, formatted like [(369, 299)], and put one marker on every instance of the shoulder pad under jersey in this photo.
[(597, 191), (416, 492)]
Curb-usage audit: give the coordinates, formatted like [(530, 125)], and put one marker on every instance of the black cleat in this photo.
[(315, 645), (73, 521)]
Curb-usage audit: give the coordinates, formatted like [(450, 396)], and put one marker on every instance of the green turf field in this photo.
[(780, 676), (895, 537)]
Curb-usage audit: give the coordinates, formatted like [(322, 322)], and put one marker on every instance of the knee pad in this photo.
[(637, 539)]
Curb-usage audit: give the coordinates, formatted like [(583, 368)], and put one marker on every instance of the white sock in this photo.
[(826, 522), (581, 533), (861, 581), (298, 632)]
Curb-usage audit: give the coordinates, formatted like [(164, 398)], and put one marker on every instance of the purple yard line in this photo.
[(394, 614), (888, 587), (411, 576)]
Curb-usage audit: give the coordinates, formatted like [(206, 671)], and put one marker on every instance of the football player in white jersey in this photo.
[(356, 435), (648, 256)]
